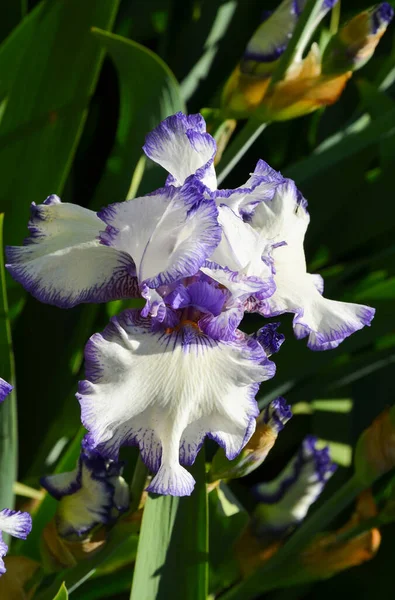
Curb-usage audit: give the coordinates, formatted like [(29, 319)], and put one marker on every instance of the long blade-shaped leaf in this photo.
[(8, 424), (149, 93), (49, 68), (172, 553)]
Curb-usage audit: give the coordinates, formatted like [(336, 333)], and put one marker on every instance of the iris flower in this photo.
[(93, 493), (179, 370)]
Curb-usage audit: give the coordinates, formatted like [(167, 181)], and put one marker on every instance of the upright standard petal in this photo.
[(181, 145), (169, 234), (243, 258), (64, 263), (166, 391), (261, 185), (5, 389), (326, 322)]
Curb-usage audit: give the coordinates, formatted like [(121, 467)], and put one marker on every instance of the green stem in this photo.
[(335, 18), (249, 588), (243, 141), (303, 31)]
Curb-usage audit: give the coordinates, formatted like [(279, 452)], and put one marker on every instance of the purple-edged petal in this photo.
[(260, 186), (169, 234), (272, 37), (63, 484), (285, 501), (5, 389), (15, 523), (3, 552), (63, 262), (91, 494), (223, 326), (166, 391), (277, 413), (326, 322), (244, 258), (181, 145)]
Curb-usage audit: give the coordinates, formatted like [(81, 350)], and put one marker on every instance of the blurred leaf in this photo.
[(149, 93), (172, 558), (11, 12), (8, 417), (49, 68), (343, 145), (62, 593), (227, 520)]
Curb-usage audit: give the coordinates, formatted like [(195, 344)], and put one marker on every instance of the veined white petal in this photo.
[(169, 233), (63, 262), (181, 145), (240, 253), (260, 186), (285, 217), (326, 322), (166, 392), (15, 523)]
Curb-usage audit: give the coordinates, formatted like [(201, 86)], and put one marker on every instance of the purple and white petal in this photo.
[(5, 389), (15, 523), (277, 413), (63, 262), (285, 501), (284, 218), (271, 38), (63, 484), (169, 234), (243, 255), (181, 145), (260, 186), (91, 504), (326, 322), (166, 391), (3, 552)]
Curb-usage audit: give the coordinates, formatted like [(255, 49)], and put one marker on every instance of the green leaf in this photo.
[(49, 65), (8, 415), (62, 593), (149, 93), (172, 557)]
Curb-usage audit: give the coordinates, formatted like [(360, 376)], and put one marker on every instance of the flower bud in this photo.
[(285, 501), (269, 423), (248, 86), (375, 451), (354, 44)]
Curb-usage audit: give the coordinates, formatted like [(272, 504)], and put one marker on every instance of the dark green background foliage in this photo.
[(72, 122)]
